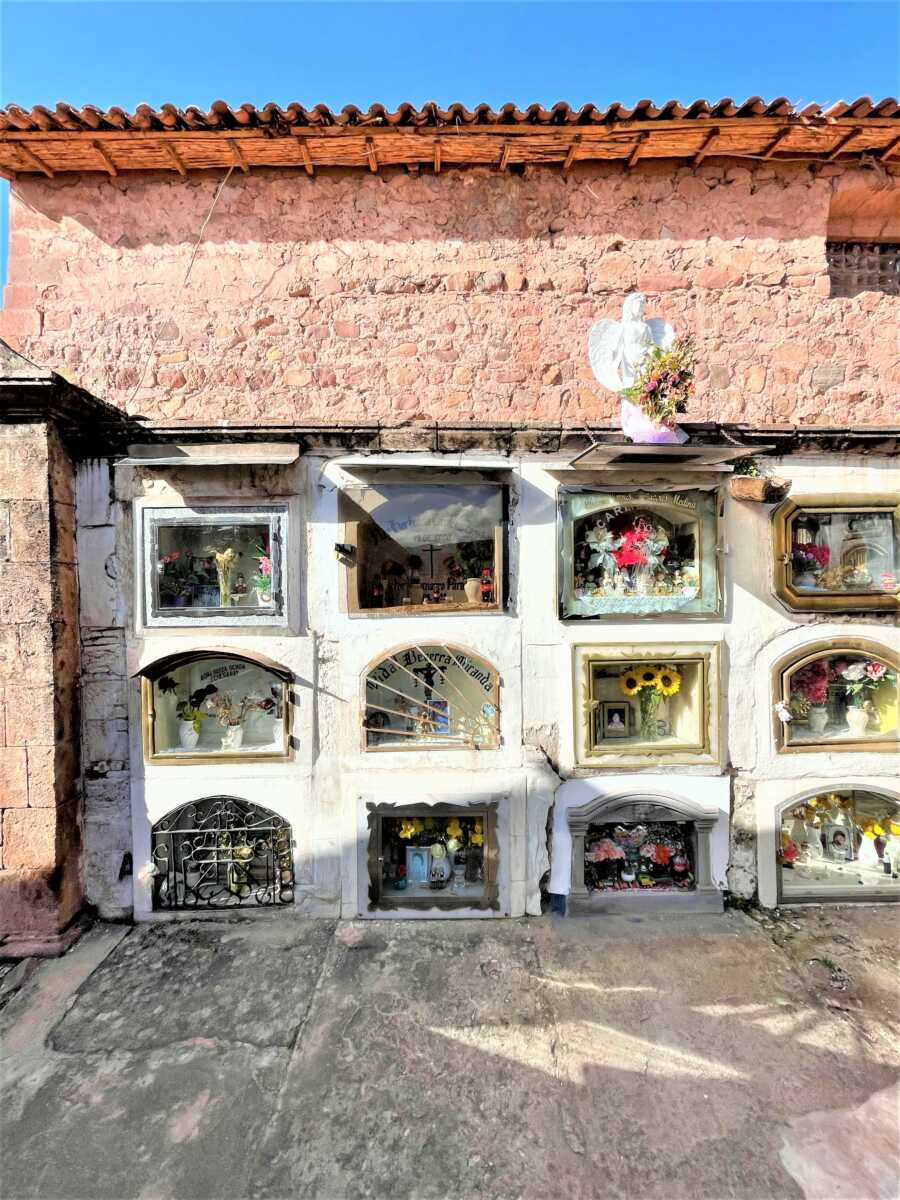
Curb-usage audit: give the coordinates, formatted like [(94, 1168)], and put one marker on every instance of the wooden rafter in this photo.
[(176, 159), (306, 156), (706, 147), (504, 156), (35, 160), (104, 155), (890, 149), (777, 140), (636, 149), (238, 155), (571, 152), (437, 156), (839, 146), (371, 156)]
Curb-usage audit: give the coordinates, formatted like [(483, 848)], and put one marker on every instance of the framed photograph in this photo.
[(418, 865), (615, 719), (838, 842)]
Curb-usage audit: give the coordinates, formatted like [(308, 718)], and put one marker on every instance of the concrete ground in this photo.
[(703, 1057)]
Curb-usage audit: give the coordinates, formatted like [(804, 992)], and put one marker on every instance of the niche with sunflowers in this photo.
[(645, 702)]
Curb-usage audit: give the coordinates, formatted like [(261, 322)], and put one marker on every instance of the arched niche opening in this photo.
[(431, 696), (841, 695), (221, 852), (838, 844), (207, 705), (648, 843)]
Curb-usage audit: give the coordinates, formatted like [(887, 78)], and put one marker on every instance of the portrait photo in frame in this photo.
[(616, 719)]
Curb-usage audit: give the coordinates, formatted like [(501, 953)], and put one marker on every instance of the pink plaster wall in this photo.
[(463, 296)]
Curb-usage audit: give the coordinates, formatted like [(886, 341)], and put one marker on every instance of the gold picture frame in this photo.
[(593, 752), (802, 600)]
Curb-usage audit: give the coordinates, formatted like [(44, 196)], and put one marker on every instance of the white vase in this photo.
[(234, 737), (472, 588), (263, 598), (817, 718), (188, 736), (857, 721)]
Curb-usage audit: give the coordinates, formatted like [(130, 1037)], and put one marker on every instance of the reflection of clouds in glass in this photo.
[(447, 525)]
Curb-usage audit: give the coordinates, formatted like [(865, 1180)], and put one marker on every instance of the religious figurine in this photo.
[(618, 351)]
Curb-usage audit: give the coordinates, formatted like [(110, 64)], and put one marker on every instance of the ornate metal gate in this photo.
[(222, 852)]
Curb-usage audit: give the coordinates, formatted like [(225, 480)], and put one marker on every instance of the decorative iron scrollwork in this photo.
[(222, 852)]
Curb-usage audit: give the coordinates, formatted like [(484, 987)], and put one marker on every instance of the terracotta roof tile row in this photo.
[(221, 116)]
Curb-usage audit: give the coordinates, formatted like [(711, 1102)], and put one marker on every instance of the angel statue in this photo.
[(618, 349)]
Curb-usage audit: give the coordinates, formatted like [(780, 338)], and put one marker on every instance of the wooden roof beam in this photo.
[(8, 174), (305, 155), (176, 159), (839, 146), (505, 152), (571, 152), (34, 160), (776, 141), (108, 163), (706, 146), (371, 156), (636, 149), (238, 155), (437, 156), (890, 149)]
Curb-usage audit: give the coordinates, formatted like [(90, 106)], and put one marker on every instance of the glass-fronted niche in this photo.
[(214, 565), (638, 554), (432, 696), (202, 706), (424, 548), (839, 556), (648, 704), (842, 698), (842, 845), (442, 856)]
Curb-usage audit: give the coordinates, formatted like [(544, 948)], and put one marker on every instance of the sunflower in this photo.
[(647, 676), (668, 681), (630, 683)]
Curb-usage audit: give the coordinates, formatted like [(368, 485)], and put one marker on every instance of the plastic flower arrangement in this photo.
[(807, 556), (411, 829), (454, 829), (476, 837), (262, 580), (809, 686), (666, 382), (861, 678)]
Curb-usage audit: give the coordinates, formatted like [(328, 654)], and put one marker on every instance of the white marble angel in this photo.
[(618, 349)]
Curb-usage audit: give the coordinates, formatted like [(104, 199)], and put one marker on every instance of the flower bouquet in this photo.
[(651, 685), (809, 691), (659, 393), (861, 679), (262, 580)]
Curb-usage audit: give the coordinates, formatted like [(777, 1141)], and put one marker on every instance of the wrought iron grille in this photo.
[(222, 852), (856, 267)]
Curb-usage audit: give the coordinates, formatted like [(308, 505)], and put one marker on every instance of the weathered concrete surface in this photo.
[(701, 1057)]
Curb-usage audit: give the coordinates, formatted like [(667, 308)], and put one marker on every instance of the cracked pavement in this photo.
[(707, 1057)]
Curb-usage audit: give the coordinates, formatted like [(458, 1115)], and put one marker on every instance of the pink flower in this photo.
[(875, 670), (265, 566)]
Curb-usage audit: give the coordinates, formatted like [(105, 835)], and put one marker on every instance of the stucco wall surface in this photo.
[(466, 295)]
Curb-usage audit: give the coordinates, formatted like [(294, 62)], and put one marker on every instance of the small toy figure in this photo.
[(240, 586)]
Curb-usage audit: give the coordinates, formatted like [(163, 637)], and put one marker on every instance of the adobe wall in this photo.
[(40, 886), (467, 295)]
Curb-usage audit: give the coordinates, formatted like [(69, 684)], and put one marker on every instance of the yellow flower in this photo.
[(454, 829), (477, 835), (407, 829), (648, 676), (668, 681), (630, 683), (877, 830), (895, 829)]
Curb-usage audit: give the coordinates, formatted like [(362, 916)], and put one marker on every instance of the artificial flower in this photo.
[(668, 681), (477, 836), (875, 670), (878, 830), (454, 829), (854, 672), (407, 830)]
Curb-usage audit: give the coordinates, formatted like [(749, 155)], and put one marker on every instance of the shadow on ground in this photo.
[(702, 1057)]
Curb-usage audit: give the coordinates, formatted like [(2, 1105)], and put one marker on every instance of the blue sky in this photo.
[(123, 52)]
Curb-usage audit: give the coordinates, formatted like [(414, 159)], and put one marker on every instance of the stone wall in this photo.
[(467, 295), (40, 886)]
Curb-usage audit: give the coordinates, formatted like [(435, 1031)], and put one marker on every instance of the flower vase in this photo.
[(650, 700), (188, 736), (639, 428), (472, 588), (264, 598), (234, 737), (857, 720), (817, 718)]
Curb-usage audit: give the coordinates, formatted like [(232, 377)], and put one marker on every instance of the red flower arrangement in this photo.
[(811, 682), (630, 553)]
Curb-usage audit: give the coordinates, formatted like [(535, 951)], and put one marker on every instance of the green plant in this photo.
[(747, 465), (185, 711), (665, 383)]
